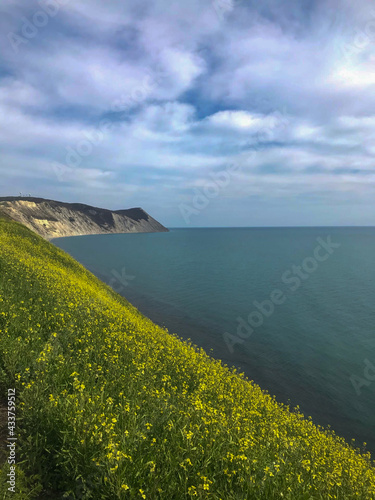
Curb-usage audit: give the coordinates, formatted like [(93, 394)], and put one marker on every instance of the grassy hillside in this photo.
[(112, 406)]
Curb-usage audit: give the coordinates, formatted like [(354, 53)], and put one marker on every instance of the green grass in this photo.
[(110, 405)]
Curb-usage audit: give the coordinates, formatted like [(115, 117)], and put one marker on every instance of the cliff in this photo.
[(54, 219)]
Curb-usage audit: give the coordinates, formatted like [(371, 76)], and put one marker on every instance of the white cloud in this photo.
[(237, 120), (357, 78), (268, 85)]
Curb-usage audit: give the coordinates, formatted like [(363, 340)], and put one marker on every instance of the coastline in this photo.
[(105, 370), (259, 359), (209, 338)]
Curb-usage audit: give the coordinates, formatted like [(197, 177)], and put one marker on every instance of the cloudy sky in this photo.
[(205, 113)]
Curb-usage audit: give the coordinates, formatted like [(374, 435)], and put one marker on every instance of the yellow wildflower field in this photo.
[(109, 405)]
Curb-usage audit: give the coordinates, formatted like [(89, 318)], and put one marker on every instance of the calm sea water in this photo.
[(313, 346)]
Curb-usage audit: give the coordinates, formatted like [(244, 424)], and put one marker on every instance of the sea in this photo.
[(292, 308)]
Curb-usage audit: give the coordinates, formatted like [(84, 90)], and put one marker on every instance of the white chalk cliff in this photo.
[(54, 219)]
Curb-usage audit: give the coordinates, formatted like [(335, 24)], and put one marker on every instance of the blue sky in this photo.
[(204, 113)]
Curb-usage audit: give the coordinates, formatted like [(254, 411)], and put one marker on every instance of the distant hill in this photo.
[(54, 219)]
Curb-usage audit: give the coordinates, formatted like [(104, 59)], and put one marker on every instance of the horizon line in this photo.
[(269, 227)]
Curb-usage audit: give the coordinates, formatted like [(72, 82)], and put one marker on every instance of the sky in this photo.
[(204, 113)]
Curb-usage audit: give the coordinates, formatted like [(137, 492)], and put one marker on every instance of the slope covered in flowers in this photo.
[(112, 406)]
